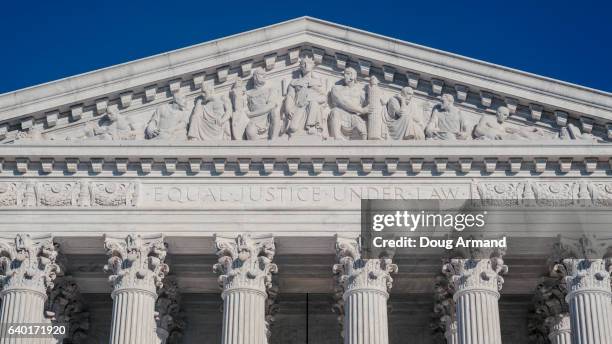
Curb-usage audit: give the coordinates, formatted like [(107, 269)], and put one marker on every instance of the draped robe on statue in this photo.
[(210, 121), (404, 122)]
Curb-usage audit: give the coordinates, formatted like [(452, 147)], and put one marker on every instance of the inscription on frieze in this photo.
[(264, 195)]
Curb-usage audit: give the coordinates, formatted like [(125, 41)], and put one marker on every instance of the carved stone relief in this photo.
[(352, 109), (68, 194), (545, 193)]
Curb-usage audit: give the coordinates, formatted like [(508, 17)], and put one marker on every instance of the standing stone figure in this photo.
[(347, 114), (209, 119), (263, 109), (447, 122), (404, 117), (377, 129), (239, 115), (304, 103), (169, 121)]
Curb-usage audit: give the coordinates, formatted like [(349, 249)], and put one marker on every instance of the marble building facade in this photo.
[(212, 194)]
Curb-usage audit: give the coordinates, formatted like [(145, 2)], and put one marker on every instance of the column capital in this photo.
[(354, 273), (480, 270), (136, 262), (586, 275), (28, 263), (245, 262), (584, 263)]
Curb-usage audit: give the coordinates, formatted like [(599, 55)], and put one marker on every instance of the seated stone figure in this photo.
[(169, 121), (209, 119), (447, 122), (404, 118), (494, 129), (348, 112), (263, 105), (305, 101)]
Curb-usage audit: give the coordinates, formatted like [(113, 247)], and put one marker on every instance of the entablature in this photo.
[(332, 158)]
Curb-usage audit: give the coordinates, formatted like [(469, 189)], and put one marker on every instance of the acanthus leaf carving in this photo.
[(28, 262), (353, 272), (136, 262), (584, 263), (66, 306), (170, 318), (479, 268), (444, 323), (245, 261)]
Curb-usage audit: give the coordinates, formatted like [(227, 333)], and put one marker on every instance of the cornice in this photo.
[(269, 157)]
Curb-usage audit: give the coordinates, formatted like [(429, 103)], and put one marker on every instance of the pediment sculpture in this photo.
[(270, 107)]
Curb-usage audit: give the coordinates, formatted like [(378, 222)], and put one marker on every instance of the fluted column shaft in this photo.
[(137, 268), (478, 317), (365, 284), (589, 297), (133, 320), (366, 317), (244, 317), (245, 268), (451, 333), (21, 307), (29, 267), (560, 330), (477, 283)]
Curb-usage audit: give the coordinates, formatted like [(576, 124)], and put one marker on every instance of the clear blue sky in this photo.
[(48, 40)]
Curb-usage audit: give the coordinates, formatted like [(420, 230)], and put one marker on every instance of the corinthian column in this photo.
[(245, 271), (444, 322), (365, 285), (549, 320), (477, 281), (137, 269), (559, 329), (586, 276), (27, 271)]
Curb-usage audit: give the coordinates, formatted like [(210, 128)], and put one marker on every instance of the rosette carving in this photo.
[(58, 194), (28, 263), (109, 194), (136, 262)]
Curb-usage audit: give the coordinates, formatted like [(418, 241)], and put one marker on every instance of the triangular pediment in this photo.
[(65, 108)]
